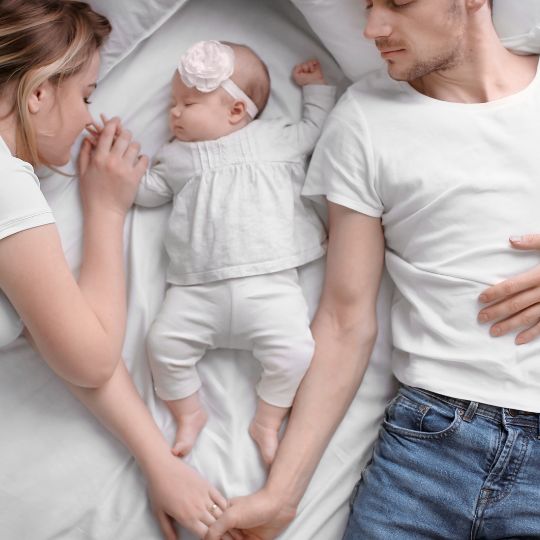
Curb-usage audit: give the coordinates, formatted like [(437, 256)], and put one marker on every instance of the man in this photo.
[(436, 162)]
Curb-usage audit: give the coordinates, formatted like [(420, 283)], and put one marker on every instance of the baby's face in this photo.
[(197, 116)]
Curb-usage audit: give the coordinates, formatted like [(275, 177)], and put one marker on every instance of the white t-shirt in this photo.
[(451, 182), (237, 209), (22, 206)]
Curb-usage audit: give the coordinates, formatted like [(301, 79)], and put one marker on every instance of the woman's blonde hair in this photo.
[(43, 40)]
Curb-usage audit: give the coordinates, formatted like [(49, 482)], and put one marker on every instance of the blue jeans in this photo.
[(449, 469)]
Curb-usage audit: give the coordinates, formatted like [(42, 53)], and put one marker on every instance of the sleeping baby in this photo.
[(237, 232)]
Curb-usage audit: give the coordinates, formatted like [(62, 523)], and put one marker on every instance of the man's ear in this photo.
[(41, 96), (237, 112), (475, 5)]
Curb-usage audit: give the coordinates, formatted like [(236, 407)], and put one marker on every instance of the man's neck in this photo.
[(487, 72)]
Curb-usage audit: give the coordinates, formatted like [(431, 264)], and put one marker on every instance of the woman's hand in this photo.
[(515, 303), (255, 517), (110, 168), (177, 492)]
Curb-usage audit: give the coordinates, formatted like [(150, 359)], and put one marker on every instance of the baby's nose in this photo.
[(176, 111)]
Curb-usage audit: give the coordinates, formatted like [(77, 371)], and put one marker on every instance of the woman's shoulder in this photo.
[(16, 174), (22, 204)]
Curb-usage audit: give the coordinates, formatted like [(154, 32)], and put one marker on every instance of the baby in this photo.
[(237, 232)]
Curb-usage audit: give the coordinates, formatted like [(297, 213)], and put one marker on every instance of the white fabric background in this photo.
[(132, 22), (62, 475)]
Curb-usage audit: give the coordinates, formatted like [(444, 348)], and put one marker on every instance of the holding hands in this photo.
[(178, 492), (515, 303), (309, 72), (110, 168), (256, 517)]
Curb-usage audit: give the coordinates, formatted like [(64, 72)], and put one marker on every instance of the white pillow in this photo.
[(339, 25), (518, 24), (132, 22)]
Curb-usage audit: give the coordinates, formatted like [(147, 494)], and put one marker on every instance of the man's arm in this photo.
[(344, 329)]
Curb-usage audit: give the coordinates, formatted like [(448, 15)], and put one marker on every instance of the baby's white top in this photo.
[(237, 209), (22, 206)]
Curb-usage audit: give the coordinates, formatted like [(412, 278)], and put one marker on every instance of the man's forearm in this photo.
[(322, 400)]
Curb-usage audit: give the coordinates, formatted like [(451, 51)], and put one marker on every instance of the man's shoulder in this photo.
[(373, 92)]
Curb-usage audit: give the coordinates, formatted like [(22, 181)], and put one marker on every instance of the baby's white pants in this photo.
[(266, 314)]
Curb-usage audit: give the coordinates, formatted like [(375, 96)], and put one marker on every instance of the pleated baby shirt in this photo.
[(237, 209)]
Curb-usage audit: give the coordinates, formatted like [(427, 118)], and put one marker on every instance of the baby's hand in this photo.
[(309, 72)]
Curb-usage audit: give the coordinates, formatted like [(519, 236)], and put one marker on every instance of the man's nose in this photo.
[(377, 24)]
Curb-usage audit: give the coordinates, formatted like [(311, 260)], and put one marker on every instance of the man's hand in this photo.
[(515, 303), (309, 72), (257, 516)]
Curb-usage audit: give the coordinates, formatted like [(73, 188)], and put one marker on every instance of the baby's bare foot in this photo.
[(266, 438), (189, 427)]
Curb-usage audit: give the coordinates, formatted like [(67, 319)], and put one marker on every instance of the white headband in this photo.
[(208, 65)]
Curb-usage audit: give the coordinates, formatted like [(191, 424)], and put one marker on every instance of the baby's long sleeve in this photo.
[(172, 167), (154, 190), (318, 101)]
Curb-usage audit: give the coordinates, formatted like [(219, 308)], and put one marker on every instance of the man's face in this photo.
[(417, 37)]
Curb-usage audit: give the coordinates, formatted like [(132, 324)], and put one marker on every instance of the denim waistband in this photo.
[(472, 408)]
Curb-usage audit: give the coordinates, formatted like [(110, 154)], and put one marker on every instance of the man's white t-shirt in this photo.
[(451, 182), (22, 206)]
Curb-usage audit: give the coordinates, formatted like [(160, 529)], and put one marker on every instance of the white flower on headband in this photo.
[(206, 65)]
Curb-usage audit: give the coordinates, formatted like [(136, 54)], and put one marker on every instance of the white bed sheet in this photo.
[(62, 475)]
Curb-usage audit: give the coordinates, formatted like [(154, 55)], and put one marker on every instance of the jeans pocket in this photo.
[(422, 419)]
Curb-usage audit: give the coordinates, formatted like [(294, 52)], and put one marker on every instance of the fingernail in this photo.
[(516, 239), (495, 331), (520, 340), (483, 317), (483, 298)]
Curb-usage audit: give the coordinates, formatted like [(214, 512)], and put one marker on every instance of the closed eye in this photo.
[(400, 3)]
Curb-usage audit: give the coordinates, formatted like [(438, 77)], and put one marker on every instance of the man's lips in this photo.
[(385, 53)]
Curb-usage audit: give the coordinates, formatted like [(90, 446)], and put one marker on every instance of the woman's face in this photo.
[(59, 114)]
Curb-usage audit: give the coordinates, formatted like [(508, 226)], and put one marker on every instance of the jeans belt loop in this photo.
[(471, 411)]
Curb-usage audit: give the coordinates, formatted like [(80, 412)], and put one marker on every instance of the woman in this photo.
[(48, 68)]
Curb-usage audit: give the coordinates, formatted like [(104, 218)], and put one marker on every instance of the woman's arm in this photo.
[(344, 329), (79, 328), (174, 488)]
